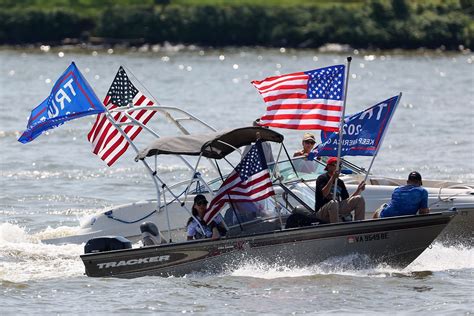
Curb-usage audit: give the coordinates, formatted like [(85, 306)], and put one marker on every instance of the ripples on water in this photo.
[(51, 184)]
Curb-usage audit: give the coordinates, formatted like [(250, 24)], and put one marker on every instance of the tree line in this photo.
[(383, 24)]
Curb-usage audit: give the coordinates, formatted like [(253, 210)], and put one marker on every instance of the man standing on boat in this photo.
[(408, 199), (328, 209)]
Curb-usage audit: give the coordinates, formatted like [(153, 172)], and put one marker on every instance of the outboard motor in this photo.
[(107, 243), (150, 234)]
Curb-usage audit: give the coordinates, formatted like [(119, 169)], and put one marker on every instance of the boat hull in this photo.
[(393, 241)]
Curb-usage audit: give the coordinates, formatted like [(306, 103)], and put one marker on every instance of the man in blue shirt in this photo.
[(406, 200)]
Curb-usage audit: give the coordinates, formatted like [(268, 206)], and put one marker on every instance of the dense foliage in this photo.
[(360, 24)]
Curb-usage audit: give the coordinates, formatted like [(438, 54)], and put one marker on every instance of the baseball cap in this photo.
[(331, 160), (308, 136), (414, 176)]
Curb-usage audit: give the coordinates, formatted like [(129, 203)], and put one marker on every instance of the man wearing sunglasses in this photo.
[(329, 210), (308, 143)]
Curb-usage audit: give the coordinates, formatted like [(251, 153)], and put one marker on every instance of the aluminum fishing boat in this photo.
[(263, 236), (393, 241)]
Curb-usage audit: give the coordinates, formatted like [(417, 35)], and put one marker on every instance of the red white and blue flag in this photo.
[(71, 97), (304, 100), (249, 182), (363, 132), (108, 142)]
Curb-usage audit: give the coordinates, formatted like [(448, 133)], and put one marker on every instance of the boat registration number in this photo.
[(367, 238)]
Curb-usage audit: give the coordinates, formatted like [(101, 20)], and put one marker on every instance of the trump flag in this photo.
[(362, 132), (71, 98)]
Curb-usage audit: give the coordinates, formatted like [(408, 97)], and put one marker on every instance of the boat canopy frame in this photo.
[(214, 146)]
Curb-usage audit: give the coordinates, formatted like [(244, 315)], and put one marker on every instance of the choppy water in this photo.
[(49, 185)]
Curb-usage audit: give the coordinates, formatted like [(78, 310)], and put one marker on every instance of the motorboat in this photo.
[(394, 241), (263, 234)]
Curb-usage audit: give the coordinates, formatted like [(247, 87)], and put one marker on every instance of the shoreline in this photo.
[(168, 48)]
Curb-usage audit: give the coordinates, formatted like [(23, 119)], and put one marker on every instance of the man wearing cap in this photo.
[(308, 144), (329, 210), (408, 199)]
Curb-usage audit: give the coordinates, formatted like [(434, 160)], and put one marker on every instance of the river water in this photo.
[(49, 185)]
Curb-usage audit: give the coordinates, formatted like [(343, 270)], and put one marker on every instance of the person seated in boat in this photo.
[(329, 210), (214, 230), (408, 199), (308, 143), (305, 165)]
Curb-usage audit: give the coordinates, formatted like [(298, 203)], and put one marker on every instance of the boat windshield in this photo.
[(243, 212), (304, 192), (305, 169)]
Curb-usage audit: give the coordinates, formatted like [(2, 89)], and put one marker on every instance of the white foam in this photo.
[(58, 232), (441, 258), (25, 258), (437, 258), (274, 271)]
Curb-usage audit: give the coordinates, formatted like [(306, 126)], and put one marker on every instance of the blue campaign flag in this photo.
[(71, 98), (362, 132)]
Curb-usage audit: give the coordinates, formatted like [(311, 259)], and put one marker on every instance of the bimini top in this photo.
[(215, 145)]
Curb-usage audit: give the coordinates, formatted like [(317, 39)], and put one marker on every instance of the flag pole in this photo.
[(341, 124), (381, 139)]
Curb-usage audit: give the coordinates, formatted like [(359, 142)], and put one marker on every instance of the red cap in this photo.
[(330, 161)]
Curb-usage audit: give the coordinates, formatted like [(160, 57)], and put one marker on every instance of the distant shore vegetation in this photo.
[(378, 24)]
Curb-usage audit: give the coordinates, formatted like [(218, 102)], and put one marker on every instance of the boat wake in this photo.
[(25, 258), (435, 259)]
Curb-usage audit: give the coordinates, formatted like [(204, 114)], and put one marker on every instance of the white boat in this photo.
[(299, 175)]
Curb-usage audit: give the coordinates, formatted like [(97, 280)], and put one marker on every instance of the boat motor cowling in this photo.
[(107, 243)]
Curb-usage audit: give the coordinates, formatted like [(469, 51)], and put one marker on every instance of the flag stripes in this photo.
[(304, 100), (234, 190), (108, 143), (248, 182)]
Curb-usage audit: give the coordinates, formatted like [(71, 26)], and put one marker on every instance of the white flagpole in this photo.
[(382, 138), (341, 124)]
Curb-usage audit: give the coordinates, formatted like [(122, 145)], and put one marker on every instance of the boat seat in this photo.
[(384, 181)]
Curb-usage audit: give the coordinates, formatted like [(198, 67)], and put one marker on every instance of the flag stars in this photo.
[(122, 90), (326, 83)]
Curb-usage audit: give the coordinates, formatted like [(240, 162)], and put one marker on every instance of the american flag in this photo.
[(304, 100), (249, 182), (108, 143)]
